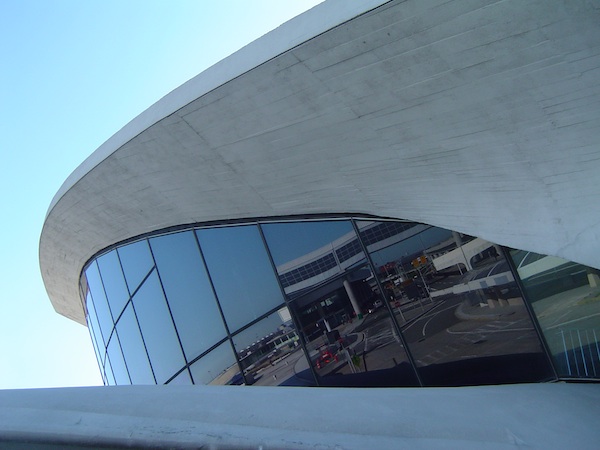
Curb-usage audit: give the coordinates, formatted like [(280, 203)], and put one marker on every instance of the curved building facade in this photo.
[(374, 194), (337, 301)]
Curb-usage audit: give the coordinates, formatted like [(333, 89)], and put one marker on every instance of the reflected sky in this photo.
[(189, 293), (157, 329), (136, 261), (457, 323), (113, 281), (288, 241), (214, 364), (261, 329), (241, 273), (408, 247)]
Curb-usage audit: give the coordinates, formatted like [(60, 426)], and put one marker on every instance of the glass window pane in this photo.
[(565, 297), (94, 329), (99, 354), (182, 378), (270, 353), (99, 301), (107, 374), (323, 268), (117, 363), (188, 292), (310, 253), (96, 351), (396, 249), (133, 348), (241, 273), (217, 367), (114, 283), (157, 329), (460, 310), (136, 260), (350, 335)]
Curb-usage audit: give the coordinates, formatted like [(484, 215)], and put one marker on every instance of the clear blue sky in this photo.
[(73, 72)]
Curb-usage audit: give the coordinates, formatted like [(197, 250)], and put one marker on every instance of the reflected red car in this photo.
[(325, 358)]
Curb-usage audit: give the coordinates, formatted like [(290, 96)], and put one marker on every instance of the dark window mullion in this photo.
[(409, 355), (168, 308), (288, 301), (140, 329), (214, 291), (530, 311)]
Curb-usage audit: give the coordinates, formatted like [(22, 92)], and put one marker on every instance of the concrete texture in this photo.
[(537, 416), (478, 116)]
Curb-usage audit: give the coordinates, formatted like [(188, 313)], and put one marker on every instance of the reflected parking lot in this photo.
[(339, 302)]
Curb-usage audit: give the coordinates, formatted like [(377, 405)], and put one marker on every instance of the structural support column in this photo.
[(353, 300)]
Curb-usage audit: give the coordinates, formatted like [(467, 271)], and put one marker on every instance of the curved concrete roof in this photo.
[(481, 118)]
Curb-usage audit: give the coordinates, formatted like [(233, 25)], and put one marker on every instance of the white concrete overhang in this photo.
[(481, 117), (534, 416)]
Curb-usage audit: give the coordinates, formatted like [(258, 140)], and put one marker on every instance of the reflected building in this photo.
[(335, 301), (282, 219)]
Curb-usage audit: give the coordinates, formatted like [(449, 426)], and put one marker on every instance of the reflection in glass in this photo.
[(136, 260), (93, 332), (217, 367), (116, 362), (182, 378), (310, 253), (397, 252), (451, 300), (134, 351), (270, 353), (157, 329), (349, 333), (94, 328), (100, 304), (565, 297), (188, 291), (114, 282), (99, 360), (460, 310), (107, 374), (241, 273), (346, 349)]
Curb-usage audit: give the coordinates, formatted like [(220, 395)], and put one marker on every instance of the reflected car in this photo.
[(376, 305), (325, 358), (238, 379)]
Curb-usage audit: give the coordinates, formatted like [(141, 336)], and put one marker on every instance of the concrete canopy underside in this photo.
[(477, 116)]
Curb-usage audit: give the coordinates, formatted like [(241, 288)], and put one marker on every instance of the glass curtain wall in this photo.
[(350, 336), (337, 302), (458, 306), (565, 298)]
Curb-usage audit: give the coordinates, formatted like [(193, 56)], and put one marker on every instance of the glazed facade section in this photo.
[(338, 302)]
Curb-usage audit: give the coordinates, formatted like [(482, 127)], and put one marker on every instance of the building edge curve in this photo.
[(60, 269), (311, 23)]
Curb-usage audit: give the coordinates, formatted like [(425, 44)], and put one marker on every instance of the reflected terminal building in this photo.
[(376, 194)]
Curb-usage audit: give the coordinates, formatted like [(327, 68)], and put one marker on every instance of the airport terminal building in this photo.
[(384, 194), (391, 194)]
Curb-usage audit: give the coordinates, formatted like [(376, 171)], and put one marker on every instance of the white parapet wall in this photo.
[(532, 416)]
